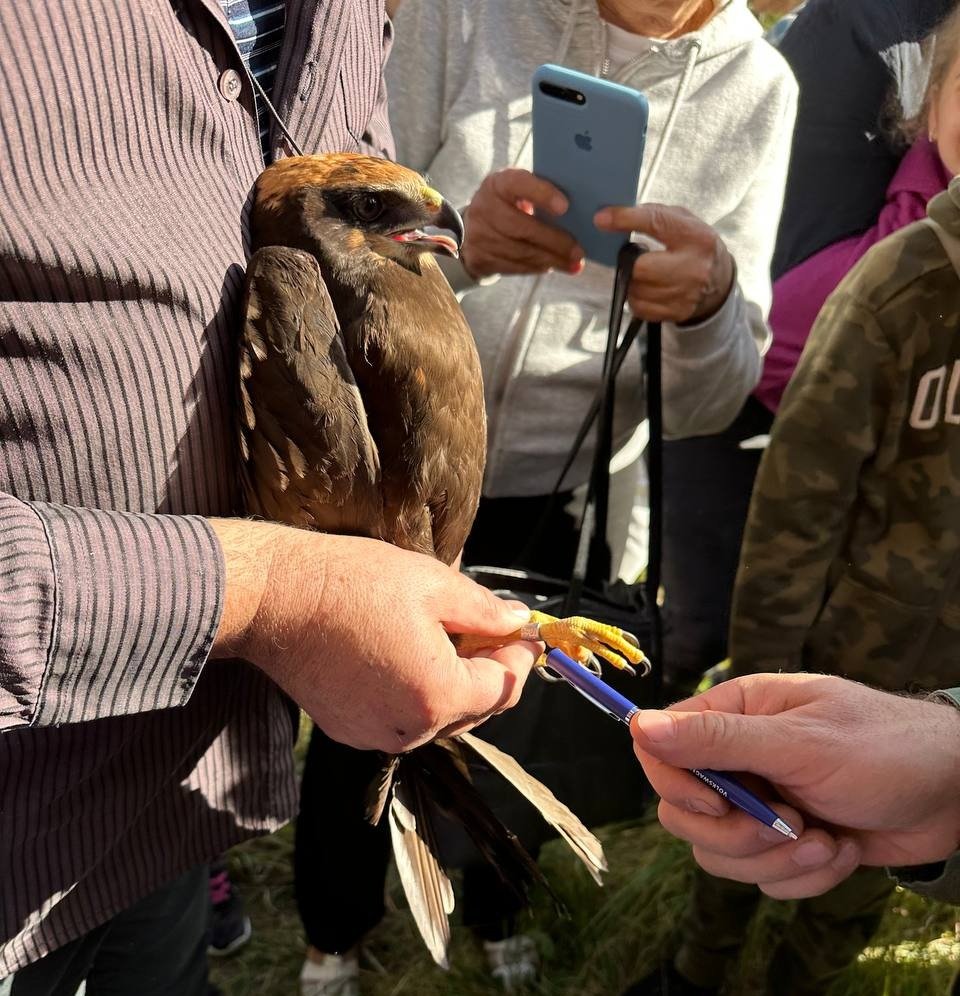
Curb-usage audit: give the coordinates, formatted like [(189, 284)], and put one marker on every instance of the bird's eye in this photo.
[(369, 207)]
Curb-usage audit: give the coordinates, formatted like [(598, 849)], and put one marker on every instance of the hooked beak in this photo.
[(445, 236)]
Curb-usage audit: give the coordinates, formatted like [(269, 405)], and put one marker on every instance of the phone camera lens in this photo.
[(568, 94)]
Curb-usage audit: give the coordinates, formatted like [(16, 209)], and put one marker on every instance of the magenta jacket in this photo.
[(800, 293)]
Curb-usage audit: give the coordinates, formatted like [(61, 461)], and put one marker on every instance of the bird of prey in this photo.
[(361, 412)]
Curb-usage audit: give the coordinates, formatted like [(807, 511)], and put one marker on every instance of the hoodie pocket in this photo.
[(869, 636)]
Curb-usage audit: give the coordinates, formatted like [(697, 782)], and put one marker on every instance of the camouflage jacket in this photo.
[(851, 556)]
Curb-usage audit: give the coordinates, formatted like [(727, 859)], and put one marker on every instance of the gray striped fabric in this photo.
[(125, 177)]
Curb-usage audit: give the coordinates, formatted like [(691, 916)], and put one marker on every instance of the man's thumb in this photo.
[(723, 740), (471, 608)]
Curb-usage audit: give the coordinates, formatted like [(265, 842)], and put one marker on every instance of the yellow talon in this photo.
[(579, 638)]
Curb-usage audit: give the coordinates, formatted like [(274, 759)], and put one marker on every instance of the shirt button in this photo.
[(230, 84)]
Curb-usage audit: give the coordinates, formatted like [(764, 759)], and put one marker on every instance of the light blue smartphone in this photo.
[(588, 140)]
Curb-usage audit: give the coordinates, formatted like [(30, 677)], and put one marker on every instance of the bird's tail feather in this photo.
[(443, 781), (582, 842), (412, 788), (427, 887)]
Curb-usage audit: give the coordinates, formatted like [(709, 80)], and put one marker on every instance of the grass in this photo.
[(613, 936)]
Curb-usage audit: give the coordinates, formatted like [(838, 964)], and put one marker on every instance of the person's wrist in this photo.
[(946, 752), (723, 275), (467, 259), (249, 550)]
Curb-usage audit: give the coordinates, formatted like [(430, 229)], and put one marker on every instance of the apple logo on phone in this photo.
[(583, 141)]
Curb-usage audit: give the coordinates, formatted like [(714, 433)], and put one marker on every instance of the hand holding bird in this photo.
[(315, 612)]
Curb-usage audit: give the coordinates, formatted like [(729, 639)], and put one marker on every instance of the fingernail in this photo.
[(705, 808), (523, 614), (770, 835), (576, 267), (847, 854), (603, 217), (558, 204), (657, 727), (812, 853)]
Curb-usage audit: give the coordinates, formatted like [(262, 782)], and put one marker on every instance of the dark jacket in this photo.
[(847, 55)]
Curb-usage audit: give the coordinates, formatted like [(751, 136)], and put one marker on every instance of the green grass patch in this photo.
[(613, 935)]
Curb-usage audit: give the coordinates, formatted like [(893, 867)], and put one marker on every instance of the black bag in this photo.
[(584, 756)]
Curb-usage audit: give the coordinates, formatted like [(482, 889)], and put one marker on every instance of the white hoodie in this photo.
[(460, 107)]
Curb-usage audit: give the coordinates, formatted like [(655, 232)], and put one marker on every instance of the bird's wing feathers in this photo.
[(419, 374), (378, 793), (582, 842), (427, 888), (308, 458)]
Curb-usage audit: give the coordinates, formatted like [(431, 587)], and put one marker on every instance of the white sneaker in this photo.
[(336, 975), (514, 961)]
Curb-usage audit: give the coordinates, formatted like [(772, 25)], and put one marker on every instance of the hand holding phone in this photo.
[(692, 276), (503, 235), (588, 141)]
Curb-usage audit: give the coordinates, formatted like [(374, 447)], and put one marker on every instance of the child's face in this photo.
[(944, 122)]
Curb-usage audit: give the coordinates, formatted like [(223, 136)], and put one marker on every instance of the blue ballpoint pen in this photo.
[(609, 700)]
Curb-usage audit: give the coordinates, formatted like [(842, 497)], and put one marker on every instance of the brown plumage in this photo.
[(360, 383), (362, 412)]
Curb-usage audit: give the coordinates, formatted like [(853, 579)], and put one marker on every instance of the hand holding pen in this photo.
[(608, 699), (877, 771)]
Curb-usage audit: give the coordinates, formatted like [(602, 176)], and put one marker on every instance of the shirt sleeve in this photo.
[(102, 613), (831, 421), (709, 369)]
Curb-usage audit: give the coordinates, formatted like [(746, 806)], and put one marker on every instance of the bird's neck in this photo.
[(349, 280)]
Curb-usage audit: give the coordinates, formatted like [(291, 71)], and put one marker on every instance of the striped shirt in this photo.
[(257, 26), (127, 159)]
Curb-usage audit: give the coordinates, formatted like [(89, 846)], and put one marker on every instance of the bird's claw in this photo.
[(587, 642)]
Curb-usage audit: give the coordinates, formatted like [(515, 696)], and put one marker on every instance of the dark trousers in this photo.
[(340, 860), (533, 532), (825, 935), (707, 483), (158, 947)]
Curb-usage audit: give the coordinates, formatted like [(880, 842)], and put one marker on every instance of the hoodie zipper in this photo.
[(604, 51)]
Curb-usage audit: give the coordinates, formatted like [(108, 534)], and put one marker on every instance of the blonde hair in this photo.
[(943, 45)]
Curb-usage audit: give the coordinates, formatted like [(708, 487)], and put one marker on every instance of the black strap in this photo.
[(593, 558), (593, 553), (655, 489)]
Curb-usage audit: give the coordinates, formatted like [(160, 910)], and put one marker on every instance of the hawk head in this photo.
[(350, 204)]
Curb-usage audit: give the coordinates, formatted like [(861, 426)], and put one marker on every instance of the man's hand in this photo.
[(502, 236), (875, 772), (356, 632), (690, 280)]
